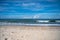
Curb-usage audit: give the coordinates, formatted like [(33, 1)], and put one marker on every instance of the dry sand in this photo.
[(29, 33)]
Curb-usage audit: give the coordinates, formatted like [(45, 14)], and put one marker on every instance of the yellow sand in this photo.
[(29, 33)]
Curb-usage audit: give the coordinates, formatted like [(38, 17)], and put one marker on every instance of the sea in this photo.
[(30, 22)]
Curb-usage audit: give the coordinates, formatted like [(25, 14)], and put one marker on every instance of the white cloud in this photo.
[(36, 16)]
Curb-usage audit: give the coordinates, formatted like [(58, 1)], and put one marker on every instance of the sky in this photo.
[(29, 9)]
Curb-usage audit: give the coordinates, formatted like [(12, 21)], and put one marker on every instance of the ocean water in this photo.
[(29, 22)]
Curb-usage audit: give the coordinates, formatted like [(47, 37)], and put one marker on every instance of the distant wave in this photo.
[(26, 24)]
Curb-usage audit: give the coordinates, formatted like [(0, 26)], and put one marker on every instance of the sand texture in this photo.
[(29, 33)]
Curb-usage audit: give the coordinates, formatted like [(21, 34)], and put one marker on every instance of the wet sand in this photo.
[(29, 33)]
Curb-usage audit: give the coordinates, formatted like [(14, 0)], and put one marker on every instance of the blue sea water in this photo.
[(30, 22)]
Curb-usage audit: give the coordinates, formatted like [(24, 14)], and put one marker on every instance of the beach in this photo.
[(29, 33)]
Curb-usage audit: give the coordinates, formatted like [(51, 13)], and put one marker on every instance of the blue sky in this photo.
[(35, 9)]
